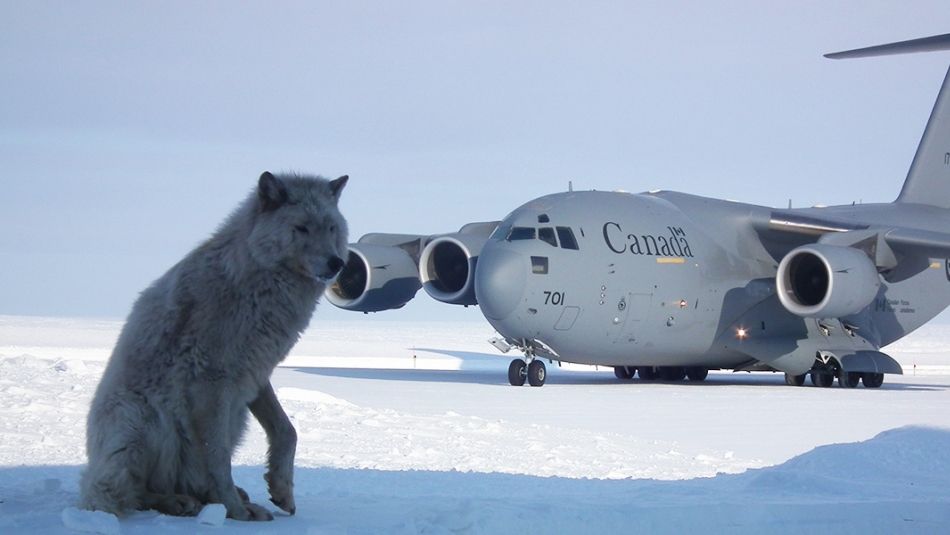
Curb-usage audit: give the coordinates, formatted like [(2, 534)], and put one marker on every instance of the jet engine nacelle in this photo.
[(375, 277), (447, 268), (826, 281)]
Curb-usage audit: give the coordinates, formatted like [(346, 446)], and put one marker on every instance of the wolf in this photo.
[(197, 352)]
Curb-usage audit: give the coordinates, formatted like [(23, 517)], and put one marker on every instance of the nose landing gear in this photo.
[(533, 371), (530, 368), (537, 373), (517, 372)]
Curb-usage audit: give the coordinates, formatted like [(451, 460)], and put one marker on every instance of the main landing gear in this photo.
[(794, 380), (824, 376), (533, 371), (664, 373)]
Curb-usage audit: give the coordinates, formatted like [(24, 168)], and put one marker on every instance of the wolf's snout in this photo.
[(328, 271), (335, 264)]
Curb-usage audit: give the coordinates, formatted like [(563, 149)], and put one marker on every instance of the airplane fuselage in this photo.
[(668, 279)]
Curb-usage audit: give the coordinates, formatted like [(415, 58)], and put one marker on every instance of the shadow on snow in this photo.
[(895, 482), (491, 369)]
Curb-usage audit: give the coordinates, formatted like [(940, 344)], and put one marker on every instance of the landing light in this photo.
[(741, 333)]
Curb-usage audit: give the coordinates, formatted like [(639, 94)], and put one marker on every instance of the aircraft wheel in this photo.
[(872, 380), (821, 378), (849, 379), (624, 372), (696, 374), (517, 372), (537, 373), (794, 380), (647, 373), (672, 373)]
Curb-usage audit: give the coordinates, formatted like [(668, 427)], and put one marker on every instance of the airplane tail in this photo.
[(928, 180)]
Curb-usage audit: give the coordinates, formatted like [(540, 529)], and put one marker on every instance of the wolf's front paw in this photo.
[(173, 504), (250, 512), (257, 512), (281, 492)]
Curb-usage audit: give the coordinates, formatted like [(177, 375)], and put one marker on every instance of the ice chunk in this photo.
[(212, 515), (90, 521)]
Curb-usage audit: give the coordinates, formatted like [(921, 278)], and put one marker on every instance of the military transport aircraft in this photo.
[(669, 285)]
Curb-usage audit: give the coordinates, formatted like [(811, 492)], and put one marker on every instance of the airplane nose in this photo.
[(500, 280)]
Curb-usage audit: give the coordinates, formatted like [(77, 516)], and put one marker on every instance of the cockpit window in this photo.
[(521, 233), (501, 232), (554, 236), (566, 235)]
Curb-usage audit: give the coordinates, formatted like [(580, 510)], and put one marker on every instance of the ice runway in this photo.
[(753, 416)]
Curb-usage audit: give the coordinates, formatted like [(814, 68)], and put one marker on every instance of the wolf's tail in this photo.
[(928, 181)]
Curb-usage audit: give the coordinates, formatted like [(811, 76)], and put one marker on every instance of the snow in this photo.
[(90, 521), (412, 428), (212, 514)]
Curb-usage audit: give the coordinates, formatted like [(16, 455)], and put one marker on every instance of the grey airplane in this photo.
[(666, 286)]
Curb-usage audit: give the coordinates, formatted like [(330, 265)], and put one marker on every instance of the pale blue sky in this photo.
[(128, 131)]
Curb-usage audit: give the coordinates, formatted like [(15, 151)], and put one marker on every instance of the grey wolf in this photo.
[(197, 352)]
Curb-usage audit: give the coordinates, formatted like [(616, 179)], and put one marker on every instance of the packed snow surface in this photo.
[(412, 428)]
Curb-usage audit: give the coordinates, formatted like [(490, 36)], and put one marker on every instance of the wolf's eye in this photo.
[(332, 228), (302, 229)]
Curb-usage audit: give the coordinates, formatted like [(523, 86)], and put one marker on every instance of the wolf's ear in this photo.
[(271, 192), (336, 186)]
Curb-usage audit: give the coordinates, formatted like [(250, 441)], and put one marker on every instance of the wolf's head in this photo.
[(298, 225)]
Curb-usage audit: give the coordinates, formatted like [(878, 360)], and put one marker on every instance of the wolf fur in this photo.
[(197, 351)]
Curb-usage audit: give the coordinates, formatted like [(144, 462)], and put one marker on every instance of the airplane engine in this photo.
[(826, 281), (375, 277), (447, 268)]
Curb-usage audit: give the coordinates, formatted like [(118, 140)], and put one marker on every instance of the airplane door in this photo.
[(638, 307), (624, 311), (615, 312)]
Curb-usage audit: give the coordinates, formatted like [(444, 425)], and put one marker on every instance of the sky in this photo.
[(128, 131)]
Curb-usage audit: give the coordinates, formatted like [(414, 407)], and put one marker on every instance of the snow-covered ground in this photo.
[(412, 428)]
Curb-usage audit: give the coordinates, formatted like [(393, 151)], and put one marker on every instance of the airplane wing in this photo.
[(884, 244), (921, 242)]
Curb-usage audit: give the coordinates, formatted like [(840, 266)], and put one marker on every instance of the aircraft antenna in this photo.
[(789, 204), (570, 186)]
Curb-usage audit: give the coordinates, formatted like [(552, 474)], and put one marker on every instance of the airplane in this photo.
[(667, 286)]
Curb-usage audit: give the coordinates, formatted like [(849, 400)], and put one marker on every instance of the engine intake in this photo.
[(447, 268), (826, 281), (375, 277)]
